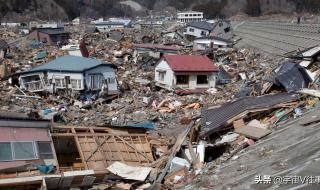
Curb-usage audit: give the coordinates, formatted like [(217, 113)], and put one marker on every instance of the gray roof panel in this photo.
[(214, 120), (201, 25), (69, 63)]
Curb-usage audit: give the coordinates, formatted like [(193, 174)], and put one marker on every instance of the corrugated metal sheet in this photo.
[(214, 120)]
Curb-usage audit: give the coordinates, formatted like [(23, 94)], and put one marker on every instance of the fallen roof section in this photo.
[(156, 46), (292, 76), (292, 150), (214, 120), (202, 25), (99, 147)]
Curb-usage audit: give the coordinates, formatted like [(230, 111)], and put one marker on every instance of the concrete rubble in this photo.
[(181, 132)]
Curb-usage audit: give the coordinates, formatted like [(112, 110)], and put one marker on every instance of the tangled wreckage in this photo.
[(142, 109)]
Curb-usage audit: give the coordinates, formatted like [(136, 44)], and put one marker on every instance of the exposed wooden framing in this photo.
[(79, 150), (120, 154), (99, 147), (133, 147), (96, 149), (101, 152), (86, 134)]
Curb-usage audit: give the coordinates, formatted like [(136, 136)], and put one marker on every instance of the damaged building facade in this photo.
[(70, 73), (26, 143)]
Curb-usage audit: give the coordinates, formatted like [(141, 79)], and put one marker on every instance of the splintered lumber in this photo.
[(310, 92), (238, 124), (174, 150)]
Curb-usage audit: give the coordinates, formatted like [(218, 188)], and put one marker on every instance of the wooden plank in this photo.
[(134, 148), (80, 151), (174, 150), (119, 152), (253, 132), (239, 124)]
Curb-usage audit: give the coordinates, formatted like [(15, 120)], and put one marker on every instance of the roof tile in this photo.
[(190, 63)]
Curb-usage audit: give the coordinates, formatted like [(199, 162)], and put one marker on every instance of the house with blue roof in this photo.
[(70, 73)]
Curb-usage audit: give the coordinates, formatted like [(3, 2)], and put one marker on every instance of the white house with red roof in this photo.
[(186, 72)]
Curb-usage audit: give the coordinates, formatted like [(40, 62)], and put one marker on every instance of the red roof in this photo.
[(157, 46), (190, 63)]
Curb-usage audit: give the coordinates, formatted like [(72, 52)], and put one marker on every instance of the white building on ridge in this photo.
[(189, 16)]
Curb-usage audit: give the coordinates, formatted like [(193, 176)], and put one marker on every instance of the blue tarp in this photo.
[(145, 125), (46, 169)]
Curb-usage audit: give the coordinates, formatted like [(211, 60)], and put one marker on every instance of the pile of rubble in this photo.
[(183, 131)]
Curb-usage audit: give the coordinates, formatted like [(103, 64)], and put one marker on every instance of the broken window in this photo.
[(226, 30), (75, 84), (5, 151), (161, 75), (202, 79), (45, 150), (182, 79), (191, 30), (96, 81), (60, 83), (111, 80), (23, 150)]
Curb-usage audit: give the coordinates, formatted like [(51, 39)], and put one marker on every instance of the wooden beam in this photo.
[(80, 150), (174, 150), (133, 148)]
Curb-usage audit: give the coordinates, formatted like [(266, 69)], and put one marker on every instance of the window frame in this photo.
[(62, 82), (187, 81), (34, 149), (96, 78), (207, 80), (78, 84), (161, 75), (12, 158), (111, 80), (46, 153), (191, 29)]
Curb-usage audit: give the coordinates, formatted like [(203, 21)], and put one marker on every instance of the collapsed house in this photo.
[(203, 43), (291, 76), (218, 119), (49, 36), (36, 154), (25, 144), (155, 50), (198, 29), (186, 72), (221, 29), (70, 73)]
